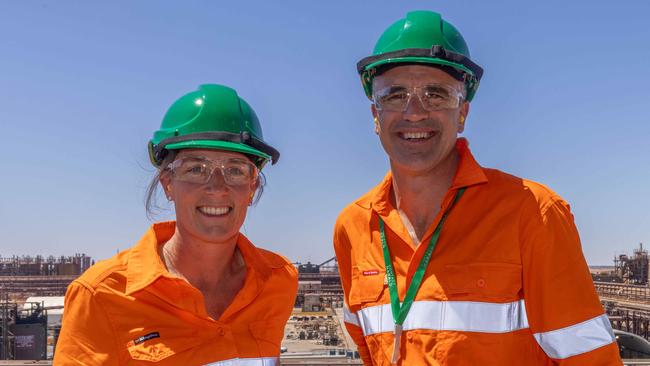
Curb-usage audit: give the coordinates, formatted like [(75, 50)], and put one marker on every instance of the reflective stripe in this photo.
[(350, 317), (466, 316), (262, 361), (577, 339)]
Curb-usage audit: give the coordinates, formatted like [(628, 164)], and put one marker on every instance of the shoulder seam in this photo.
[(551, 201), (96, 280), (291, 268), (84, 284)]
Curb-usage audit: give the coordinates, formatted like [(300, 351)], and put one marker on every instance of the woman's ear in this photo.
[(166, 183), (253, 188)]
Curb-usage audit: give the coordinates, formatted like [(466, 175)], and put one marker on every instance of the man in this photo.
[(446, 262)]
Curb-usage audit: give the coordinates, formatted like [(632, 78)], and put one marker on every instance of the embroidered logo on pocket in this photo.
[(371, 272)]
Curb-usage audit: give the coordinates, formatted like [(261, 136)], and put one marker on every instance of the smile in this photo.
[(215, 211), (415, 135)]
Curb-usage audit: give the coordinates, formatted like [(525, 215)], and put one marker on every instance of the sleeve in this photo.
[(563, 309), (343, 253), (87, 337)]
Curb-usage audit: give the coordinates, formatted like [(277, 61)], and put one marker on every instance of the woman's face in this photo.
[(211, 190)]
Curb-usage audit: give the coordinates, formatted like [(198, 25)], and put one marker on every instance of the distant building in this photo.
[(52, 304), (633, 270), (26, 276), (308, 287), (40, 266), (321, 279), (25, 336), (308, 268), (312, 303)]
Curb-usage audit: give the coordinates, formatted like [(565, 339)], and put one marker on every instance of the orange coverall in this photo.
[(507, 283), (129, 310)]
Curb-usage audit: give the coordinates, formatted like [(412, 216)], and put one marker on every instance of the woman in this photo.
[(194, 291)]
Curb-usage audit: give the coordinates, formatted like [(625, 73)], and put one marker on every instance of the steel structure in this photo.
[(635, 269), (40, 266), (24, 332), (322, 279)]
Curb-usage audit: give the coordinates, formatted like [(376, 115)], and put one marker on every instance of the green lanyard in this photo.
[(400, 312)]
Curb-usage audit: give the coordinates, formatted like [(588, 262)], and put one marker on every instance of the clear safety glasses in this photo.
[(434, 97), (235, 172)]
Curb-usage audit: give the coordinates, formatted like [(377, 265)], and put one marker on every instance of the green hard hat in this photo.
[(213, 117), (422, 37)]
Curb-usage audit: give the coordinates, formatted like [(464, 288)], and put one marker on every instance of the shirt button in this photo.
[(480, 283), (409, 335), (221, 332)]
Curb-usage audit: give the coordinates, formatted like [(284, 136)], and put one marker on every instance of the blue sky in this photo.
[(83, 85)]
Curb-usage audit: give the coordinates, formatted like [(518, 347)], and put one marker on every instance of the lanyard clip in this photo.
[(397, 340)]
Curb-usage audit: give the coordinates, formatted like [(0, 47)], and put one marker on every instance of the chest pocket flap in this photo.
[(367, 285), (483, 280)]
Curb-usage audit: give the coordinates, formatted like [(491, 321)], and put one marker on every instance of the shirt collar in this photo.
[(468, 173), (145, 265)]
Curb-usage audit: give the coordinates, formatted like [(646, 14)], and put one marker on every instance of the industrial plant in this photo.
[(32, 292), (31, 303), (624, 291)]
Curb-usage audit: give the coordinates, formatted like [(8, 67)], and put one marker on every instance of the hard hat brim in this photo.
[(422, 60), (217, 145), (243, 143)]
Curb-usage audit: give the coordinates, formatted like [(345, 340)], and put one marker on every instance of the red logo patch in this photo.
[(371, 272)]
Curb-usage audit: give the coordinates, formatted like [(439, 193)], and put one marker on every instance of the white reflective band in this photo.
[(350, 317), (464, 316), (262, 361), (577, 339)]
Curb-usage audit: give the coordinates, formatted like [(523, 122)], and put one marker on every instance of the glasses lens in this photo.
[(192, 170), (199, 170), (393, 98), (432, 97), (239, 172), (435, 97)]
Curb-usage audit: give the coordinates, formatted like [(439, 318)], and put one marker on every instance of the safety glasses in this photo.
[(235, 172), (434, 97)]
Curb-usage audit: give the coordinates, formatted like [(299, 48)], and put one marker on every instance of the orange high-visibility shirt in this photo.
[(507, 283), (129, 310)]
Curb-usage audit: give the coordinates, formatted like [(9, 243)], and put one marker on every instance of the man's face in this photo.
[(417, 139)]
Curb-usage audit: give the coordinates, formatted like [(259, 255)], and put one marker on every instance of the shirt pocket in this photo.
[(367, 285), (268, 334), (157, 349), (489, 280)]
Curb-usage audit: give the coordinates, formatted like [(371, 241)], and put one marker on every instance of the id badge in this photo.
[(397, 340)]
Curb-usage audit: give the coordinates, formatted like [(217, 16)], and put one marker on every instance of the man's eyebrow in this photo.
[(395, 88), (436, 87)]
